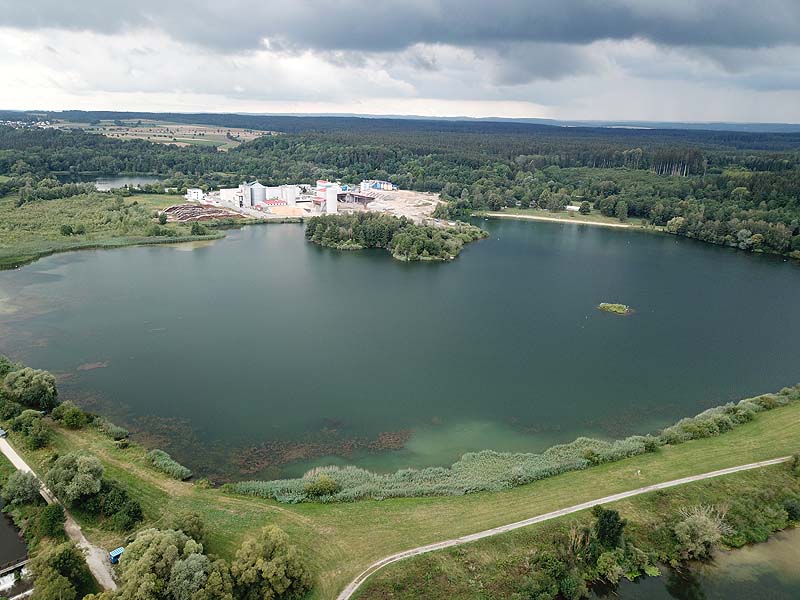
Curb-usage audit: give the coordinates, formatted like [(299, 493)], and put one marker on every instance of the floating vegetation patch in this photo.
[(93, 365), (617, 309)]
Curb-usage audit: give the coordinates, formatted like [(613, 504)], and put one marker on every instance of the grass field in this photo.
[(33, 230), (340, 540)]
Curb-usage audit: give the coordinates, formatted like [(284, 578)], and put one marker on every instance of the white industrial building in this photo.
[(327, 196), (255, 195), (194, 194)]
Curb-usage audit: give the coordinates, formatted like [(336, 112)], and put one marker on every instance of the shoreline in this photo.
[(500, 215)]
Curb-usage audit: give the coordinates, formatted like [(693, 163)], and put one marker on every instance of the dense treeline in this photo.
[(404, 239), (732, 188)]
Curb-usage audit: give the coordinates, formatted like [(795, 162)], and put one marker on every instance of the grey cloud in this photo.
[(389, 25)]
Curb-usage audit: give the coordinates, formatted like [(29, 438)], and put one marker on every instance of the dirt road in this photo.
[(96, 558), (348, 592)]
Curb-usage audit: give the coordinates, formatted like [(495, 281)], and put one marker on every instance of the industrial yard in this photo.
[(253, 199)]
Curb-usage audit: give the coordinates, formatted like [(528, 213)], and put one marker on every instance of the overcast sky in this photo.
[(691, 60)]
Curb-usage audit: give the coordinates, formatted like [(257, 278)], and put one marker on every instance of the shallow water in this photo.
[(767, 571), (264, 355)]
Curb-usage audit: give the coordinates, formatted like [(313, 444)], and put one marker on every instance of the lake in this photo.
[(765, 571), (262, 355)]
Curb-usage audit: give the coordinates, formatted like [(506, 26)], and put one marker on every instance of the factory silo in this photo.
[(332, 199), (258, 193)]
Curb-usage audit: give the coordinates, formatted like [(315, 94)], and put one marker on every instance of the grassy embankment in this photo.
[(340, 540), (33, 230), (501, 566)]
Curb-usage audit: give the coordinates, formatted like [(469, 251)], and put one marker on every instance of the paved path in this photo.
[(354, 585), (96, 558)]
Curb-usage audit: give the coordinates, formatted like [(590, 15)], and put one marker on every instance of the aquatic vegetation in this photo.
[(166, 464), (493, 471)]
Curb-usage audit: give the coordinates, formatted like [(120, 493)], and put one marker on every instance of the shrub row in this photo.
[(493, 471), (166, 464)]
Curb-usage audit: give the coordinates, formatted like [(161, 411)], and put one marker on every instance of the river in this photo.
[(765, 571), (261, 355)]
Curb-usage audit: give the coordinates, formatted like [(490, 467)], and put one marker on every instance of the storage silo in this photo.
[(258, 193), (332, 199)]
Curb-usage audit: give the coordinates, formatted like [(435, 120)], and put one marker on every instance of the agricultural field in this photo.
[(164, 132)]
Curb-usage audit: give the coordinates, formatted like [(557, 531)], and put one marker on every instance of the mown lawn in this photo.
[(340, 540)]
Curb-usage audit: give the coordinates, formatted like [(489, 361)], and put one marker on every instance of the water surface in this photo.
[(767, 571), (263, 355)]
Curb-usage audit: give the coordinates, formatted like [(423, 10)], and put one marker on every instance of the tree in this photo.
[(50, 522), (268, 567), (30, 424), (198, 229), (162, 218), (50, 585), (585, 208), (32, 387), (188, 576), (75, 476), (54, 562), (147, 564), (621, 210), (190, 523), (22, 487), (701, 529), (608, 526), (7, 365)]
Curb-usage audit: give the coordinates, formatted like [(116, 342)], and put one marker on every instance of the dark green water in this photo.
[(766, 571), (262, 339)]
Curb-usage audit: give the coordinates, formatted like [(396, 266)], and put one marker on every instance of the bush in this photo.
[(701, 529), (165, 463), (794, 464), (9, 409), (70, 415), (189, 523), (30, 424), (324, 485), (22, 487), (792, 508), (108, 428)]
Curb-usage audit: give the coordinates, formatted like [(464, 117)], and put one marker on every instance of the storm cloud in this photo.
[(390, 25), (569, 59)]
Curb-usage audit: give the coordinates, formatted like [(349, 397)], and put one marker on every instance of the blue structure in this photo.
[(114, 555)]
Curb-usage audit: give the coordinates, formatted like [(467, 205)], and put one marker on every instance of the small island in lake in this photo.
[(617, 309), (400, 236)]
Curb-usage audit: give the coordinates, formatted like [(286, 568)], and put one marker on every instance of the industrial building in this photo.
[(255, 195), (375, 184), (194, 194)]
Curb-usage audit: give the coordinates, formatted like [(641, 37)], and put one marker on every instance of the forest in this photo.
[(739, 189), (404, 239)]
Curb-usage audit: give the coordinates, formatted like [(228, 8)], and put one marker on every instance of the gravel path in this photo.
[(96, 558), (354, 585)]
